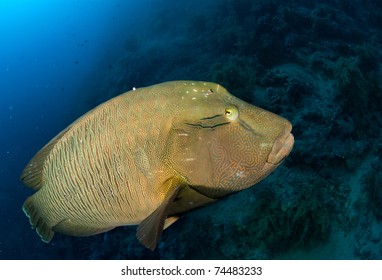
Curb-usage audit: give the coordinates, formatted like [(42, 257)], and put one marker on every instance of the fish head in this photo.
[(221, 144)]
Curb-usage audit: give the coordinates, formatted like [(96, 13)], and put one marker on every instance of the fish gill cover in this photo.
[(316, 64)]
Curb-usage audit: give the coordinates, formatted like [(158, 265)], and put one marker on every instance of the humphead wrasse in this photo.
[(149, 155)]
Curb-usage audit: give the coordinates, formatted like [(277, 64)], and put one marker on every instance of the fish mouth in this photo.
[(281, 147)]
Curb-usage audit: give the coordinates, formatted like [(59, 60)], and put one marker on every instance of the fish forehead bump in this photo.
[(198, 88), (199, 85), (197, 93)]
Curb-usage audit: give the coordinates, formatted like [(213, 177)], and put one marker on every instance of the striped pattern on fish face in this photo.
[(222, 144)]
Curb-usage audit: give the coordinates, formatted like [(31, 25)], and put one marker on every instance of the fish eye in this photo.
[(231, 113)]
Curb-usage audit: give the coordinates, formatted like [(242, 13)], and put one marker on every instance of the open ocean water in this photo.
[(316, 63)]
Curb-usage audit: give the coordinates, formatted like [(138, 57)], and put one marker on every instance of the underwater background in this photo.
[(317, 63)]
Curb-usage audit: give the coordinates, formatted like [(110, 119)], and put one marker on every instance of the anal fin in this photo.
[(68, 227)]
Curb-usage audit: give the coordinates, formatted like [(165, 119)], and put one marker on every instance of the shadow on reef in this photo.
[(317, 64)]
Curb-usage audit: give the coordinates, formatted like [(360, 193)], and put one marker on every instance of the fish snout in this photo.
[(281, 147)]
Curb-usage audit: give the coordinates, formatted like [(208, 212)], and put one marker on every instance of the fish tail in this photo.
[(37, 221)]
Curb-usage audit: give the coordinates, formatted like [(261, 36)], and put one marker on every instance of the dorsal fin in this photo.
[(32, 173)]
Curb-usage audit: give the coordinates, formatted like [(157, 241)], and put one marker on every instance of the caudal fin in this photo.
[(37, 221)]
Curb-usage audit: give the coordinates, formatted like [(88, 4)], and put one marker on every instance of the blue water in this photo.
[(317, 64), (51, 53)]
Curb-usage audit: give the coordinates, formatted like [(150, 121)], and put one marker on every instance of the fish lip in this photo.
[(281, 147)]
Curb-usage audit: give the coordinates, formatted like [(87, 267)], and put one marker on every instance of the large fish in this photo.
[(149, 155)]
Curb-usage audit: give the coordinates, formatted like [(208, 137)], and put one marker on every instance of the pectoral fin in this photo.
[(150, 229), (179, 199)]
